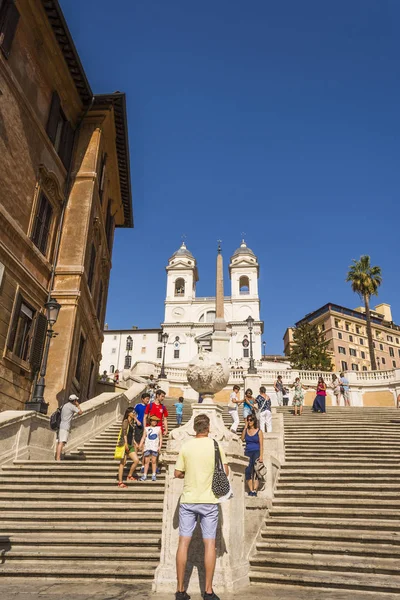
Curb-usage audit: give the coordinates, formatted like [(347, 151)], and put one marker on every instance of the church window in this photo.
[(176, 353), (180, 287), (210, 316), (245, 353), (128, 362), (244, 285), (201, 320)]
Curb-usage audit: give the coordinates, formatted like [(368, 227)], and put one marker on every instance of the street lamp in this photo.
[(37, 403), (264, 345), (250, 324), (164, 339)]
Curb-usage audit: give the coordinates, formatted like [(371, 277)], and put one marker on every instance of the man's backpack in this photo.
[(55, 419)]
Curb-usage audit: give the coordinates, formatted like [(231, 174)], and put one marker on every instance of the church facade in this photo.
[(189, 319)]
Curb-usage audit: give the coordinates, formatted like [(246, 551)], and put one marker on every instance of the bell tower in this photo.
[(244, 272), (182, 277)]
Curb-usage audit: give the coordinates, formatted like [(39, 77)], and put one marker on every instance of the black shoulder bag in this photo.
[(220, 483)]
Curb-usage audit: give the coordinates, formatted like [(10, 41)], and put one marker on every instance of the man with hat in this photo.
[(68, 411), (151, 444)]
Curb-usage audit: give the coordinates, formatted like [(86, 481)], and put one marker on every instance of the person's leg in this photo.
[(187, 524), (60, 446), (135, 461), (121, 470), (256, 481), (153, 465), (146, 465), (209, 515), (268, 419), (210, 558), (301, 408)]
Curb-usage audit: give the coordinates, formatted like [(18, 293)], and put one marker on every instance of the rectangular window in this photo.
[(380, 346), (245, 353), (91, 267), (159, 338), (323, 326), (143, 350), (81, 349), (341, 350), (128, 362), (398, 352), (350, 338), (100, 303), (176, 353), (9, 17), (114, 337), (102, 176), (394, 364), (357, 329), (41, 227), (21, 331), (337, 323), (344, 365), (361, 342), (383, 361), (144, 336), (352, 352), (354, 367), (60, 131), (364, 369), (159, 352), (391, 352), (347, 327), (340, 336), (113, 350), (362, 354), (389, 338), (397, 340)]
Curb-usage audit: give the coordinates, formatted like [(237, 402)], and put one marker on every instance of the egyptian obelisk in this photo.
[(220, 337)]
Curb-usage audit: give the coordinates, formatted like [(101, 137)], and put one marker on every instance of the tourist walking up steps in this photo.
[(264, 410), (179, 411), (279, 390), (248, 403), (285, 396), (335, 385), (151, 445), (68, 411), (195, 464), (345, 389), (319, 404), (233, 407), (254, 450), (127, 441), (298, 398)]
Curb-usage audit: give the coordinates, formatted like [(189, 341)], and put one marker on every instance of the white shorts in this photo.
[(62, 435)]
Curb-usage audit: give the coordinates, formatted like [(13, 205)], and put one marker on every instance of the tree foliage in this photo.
[(310, 349), (365, 281)]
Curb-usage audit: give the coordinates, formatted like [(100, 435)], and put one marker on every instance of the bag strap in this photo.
[(218, 460)]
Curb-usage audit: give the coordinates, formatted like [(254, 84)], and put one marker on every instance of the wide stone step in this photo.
[(333, 520), (71, 477), (357, 485), (334, 464), (297, 494), (146, 486), (144, 506), (87, 500), (322, 512), (94, 569), (324, 547), (106, 526), (335, 502), (29, 553), (85, 516), (328, 534), (333, 562), (34, 539), (325, 579)]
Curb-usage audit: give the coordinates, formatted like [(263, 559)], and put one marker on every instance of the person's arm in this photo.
[(165, 415), (125, 433), (261, 438), (243, 432), (160, 444), (146, 412), (179, 472), (143, 438)]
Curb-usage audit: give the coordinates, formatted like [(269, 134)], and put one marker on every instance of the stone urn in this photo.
[(208, 373)]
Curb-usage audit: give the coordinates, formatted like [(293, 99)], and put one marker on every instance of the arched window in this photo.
[(112, 369), (129, 343), (201, 320), (210, 316), (180, 287), (244, 285)]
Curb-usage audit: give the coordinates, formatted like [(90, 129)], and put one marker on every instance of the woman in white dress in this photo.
[(336, 388), (233, 407)]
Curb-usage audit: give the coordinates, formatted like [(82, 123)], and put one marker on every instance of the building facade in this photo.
[(65, 186), (345, 329), (189, 320)]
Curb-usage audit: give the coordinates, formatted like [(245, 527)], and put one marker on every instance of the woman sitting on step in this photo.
[(319, 404), (254, 451), (127, 440)]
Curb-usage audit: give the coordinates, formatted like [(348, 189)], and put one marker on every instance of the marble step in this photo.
[(297, 494), (72, 477), (326, 580), (139, 507), (333, 520), (77, 498), (327, 547), (107, 526), (121, 570), (307, 533), (145, 486), (321, 512), (357, 485), (29, 553), (335, 502), (80, 539), (340, 465), (87, 516)]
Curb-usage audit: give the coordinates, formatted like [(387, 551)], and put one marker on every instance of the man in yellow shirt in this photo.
[(195, 464)]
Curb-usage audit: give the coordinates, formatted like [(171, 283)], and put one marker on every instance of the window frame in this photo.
[(47, 224)]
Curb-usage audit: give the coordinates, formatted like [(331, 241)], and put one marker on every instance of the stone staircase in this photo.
[(335, 517), (70, 520)]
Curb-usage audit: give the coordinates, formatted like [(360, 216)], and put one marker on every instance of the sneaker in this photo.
[(143, 478), (141, 469), (154, 477), (212, 596), (182, 596)]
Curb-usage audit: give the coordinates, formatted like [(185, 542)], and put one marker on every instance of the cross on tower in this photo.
[(243, 234)]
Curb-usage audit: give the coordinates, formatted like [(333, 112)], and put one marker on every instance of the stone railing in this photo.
[(27, 434)]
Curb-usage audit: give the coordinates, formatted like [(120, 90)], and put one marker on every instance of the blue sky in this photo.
[(279, 119)]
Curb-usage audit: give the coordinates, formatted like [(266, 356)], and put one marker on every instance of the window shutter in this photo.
[(38, 341), (14, 323), (8, 25), (54, 116), (67, 143)]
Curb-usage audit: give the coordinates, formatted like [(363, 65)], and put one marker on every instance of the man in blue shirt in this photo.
[(345, 389), (140, 407), (179, 411)]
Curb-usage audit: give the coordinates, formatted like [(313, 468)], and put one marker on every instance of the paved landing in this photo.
[(32, 589)]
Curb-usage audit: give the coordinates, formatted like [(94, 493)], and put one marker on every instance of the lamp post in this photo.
[(37, 403), (264, 345), (164, 339), (129, 347), (250, 324)]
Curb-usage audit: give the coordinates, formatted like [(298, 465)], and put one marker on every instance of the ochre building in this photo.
[(345, 329), (64, 187)]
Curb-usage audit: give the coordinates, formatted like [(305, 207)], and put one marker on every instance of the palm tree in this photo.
[(365, 281)]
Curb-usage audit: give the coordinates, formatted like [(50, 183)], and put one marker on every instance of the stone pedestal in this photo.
[(253, 382), (232, 566), (220, 343)]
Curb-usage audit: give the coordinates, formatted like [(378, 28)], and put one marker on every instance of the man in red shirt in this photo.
[(158, 409)]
